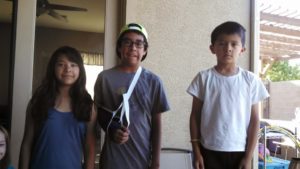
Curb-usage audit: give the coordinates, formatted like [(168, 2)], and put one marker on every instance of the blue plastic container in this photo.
[(276, 163)]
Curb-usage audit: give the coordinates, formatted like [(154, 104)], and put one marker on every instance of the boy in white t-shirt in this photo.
[(224, 120)]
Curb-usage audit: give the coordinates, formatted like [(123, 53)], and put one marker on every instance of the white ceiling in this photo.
[(90, 21)]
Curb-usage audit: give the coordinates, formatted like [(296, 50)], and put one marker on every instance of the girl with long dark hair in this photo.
[(60, 120)]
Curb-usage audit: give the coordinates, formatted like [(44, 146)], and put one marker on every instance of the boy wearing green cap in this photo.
[(133, 140)]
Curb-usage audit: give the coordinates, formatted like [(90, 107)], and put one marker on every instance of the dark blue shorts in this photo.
[(221, 160)]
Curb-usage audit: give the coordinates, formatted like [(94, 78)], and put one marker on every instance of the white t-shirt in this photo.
[(226, 110)]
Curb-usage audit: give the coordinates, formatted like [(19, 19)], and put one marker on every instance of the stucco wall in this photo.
[(284, 99), (179, 32)]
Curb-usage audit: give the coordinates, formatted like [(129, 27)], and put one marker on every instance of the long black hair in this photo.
[(5, 161), (44, 96)]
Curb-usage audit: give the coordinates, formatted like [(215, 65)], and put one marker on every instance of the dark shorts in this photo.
[(221, 160)]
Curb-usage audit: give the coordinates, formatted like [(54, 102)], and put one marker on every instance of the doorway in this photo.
[(7, 40)]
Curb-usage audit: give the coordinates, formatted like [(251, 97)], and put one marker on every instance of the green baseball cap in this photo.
[(134, 27)]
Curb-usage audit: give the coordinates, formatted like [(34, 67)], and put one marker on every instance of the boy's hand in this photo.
[(199, 164), (121, 135), (245, 164)]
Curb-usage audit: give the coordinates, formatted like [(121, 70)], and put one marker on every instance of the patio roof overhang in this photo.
[(279, 33)]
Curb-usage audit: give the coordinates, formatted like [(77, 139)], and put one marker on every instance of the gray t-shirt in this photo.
[(148, 97)]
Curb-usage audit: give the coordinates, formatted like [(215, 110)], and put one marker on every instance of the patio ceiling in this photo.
[(279, 32)]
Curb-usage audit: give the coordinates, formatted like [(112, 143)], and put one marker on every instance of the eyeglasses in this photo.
[(129, 43)]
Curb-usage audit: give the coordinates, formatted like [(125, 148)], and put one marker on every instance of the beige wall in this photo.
[(284, 99), (23, 68), (179, 33)]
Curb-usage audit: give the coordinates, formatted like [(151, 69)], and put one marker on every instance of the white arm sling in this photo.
[(124, 106)]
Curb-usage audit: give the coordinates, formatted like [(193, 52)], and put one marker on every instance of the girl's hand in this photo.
[(121, 136)]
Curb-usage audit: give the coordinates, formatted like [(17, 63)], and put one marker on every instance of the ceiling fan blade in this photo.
[(58, 16), (67, 8)]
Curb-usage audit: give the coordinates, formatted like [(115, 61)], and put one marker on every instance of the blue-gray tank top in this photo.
[(60, 143)]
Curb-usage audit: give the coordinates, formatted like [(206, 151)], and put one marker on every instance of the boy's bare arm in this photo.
[(89, 152), (156, 140), (195, 131), (252, 134), (26, 146)]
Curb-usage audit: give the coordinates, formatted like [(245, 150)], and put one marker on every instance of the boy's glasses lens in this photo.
[(129, 43)]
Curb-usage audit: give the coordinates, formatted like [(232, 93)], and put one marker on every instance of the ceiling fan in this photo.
[(44, 7)]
